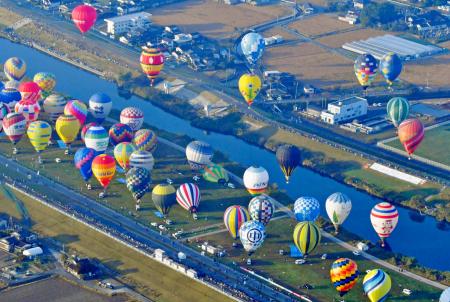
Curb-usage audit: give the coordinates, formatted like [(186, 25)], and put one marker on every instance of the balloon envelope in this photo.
[(84, 17), (256, 180), (30, 91), (411, 133), (384, 218), (391, 67), (104, 168), (122, 153), (15, 68), (188, 197), (261, 208), (132, 117), (306, 236), (233, 218), (96, 138), (215, 173), (365, 67), (344, 275), (145, 139), (119, 133), (306, 209), (46, 81), (199, 154), (4, 110), (29, 108), (376, 285), (445, 296), (253, 45), (100, 106), (53, 107), (163, 197), (85, 129), (288, 157), (249, 86), (67, 127), (142, 159), (14, 125), (338, 207), (252, 234), (83, 161), (397, 110), (138, 182), (10, 96), (39, 133), (78, 109), (152, 62)]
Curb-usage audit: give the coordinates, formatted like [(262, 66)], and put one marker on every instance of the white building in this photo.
[(123, 24), (33, 252), (344, 110)]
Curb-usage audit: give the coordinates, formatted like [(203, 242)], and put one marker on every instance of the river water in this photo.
[(422, 240)]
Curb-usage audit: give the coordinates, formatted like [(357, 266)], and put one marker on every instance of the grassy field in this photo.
[(336, 41), (432, 71), (319, 24)]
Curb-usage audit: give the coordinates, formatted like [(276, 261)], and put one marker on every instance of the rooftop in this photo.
[(128, 17), (348, 101)]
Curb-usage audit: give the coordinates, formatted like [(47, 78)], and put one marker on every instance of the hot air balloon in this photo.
[(84, 17), (30, 91), (366, 67), (306, 209), (397, 110), (261, 208), (39, 133), (252, 234), (233, 218), (376, 285), (85, 129), (132, 117), (411, 134), (4, 110), (253, 45), (12, 84), (83, 161), (163, 197), (10, 96), (306, 236), (120, 133), (256, 180), (390, 67), (384, 218), (215, 173), (199, 154), (188, 197), (288, 157), (145, 139), (100, 105), (46, 81), (122, 153), (15, 69), (142, 159), (30, 109), (104, 168), (249, 86), (14, 125), (445, 296), (344, 275), (1, 86), (152, 61), (138, 182), (67, 127), (53, 107), (78, 109), (338, 207), (96, 138)]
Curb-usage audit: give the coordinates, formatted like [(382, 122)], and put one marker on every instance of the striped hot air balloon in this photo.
[(122, 153), (397, 110), (366, 68), (288, 157), (39, 133), (377, 285), (163, 196), (78, 109), (138, 182), (256, 180), (85, 128), (384, 218), (306, 236), (261, 208), (145, 139), (252, 234), (344, 275), (15, 68), (215, 173), (152, 62), (10, 96), (30, 91), (119, 133), (96, 138), (67, 127), (83, 161), (306, 209), (233, 218), (411, 133), (188, 197), (199, 154), (46, 81), (53, 107), (132, 117), (142, 159), (338, 207), (4, 110), (104, 168), (14, 125)]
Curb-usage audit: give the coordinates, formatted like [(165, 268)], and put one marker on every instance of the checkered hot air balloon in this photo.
[(122, 154), (142, 159), (252, 234), (152, 62), (344, 275), (138, 182), (261, 208), (256, 180), (377, 285), (132, 117), (384, 219), (145, 139), (233, 218), (15, 68), (199, 154), (188, 197), (306, 209), (119, 133), (411, 133), (366, 68)]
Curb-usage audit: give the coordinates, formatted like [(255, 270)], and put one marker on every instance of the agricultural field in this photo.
[(336, 41), (279, 31), (319, 25), (432, 71)]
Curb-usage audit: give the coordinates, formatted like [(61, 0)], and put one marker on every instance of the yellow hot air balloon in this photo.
[(249, 86), (39, 133), (67, 127)]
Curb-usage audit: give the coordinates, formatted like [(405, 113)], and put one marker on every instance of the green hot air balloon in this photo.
[(306, 236), (288, 157), (164, 196), (215, 173), (397, 110)]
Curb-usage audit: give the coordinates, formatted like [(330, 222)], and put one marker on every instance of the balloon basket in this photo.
[(15, 151)]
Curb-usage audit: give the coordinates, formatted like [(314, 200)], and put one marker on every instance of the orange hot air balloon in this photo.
[(411, 134), (152, 61), (84, 17), (104, 168)]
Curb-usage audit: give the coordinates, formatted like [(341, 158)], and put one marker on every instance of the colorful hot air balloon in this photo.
[(30, 109), (376, 285), (142, 159), (256, 180), (1, 86), (384, 218), (366, 67), (390, 67), (215, 173), (152, 61), (306, 209), (96, 138), (14, 125), (145, 139), (411, 134), (252, 234), (85, 129), (233, 218), (39, 133), (132, 117), (138, 182), (344, 275), (84, 17), (122, 153), (30, 91), (53, 107), (397, 110), (445, 296), (261, 208), (188, 197), (120, 133), (253, 45), (15, 68), (104, 168), (199, 154), (46, 81), (83, 161), (306, 236), (338, 207), (4, 110), (100, 106), (10, 96), (78, 109), (67, 127), (288, 157), (163, 197), (249, 86)]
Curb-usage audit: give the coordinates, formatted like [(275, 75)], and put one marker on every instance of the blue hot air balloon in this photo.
[(391, 67), (252, 234), (10, 97), (306, 209), (100, 105), (1, 85), (252, 45), (83, 161)]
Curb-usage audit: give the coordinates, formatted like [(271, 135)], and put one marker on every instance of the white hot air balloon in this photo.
[(142, 159), (199, 154), (256, 180), (252, 234), (338, 207), (384, 218), (445, 296)]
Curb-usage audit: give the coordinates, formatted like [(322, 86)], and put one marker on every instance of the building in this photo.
[(51, 4), (123, 24), (350, 17), (82, 268), (431, 20), (344, 110), (33, 252), (7, 244)]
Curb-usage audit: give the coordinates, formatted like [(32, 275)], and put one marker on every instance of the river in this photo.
[(422, 240)]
